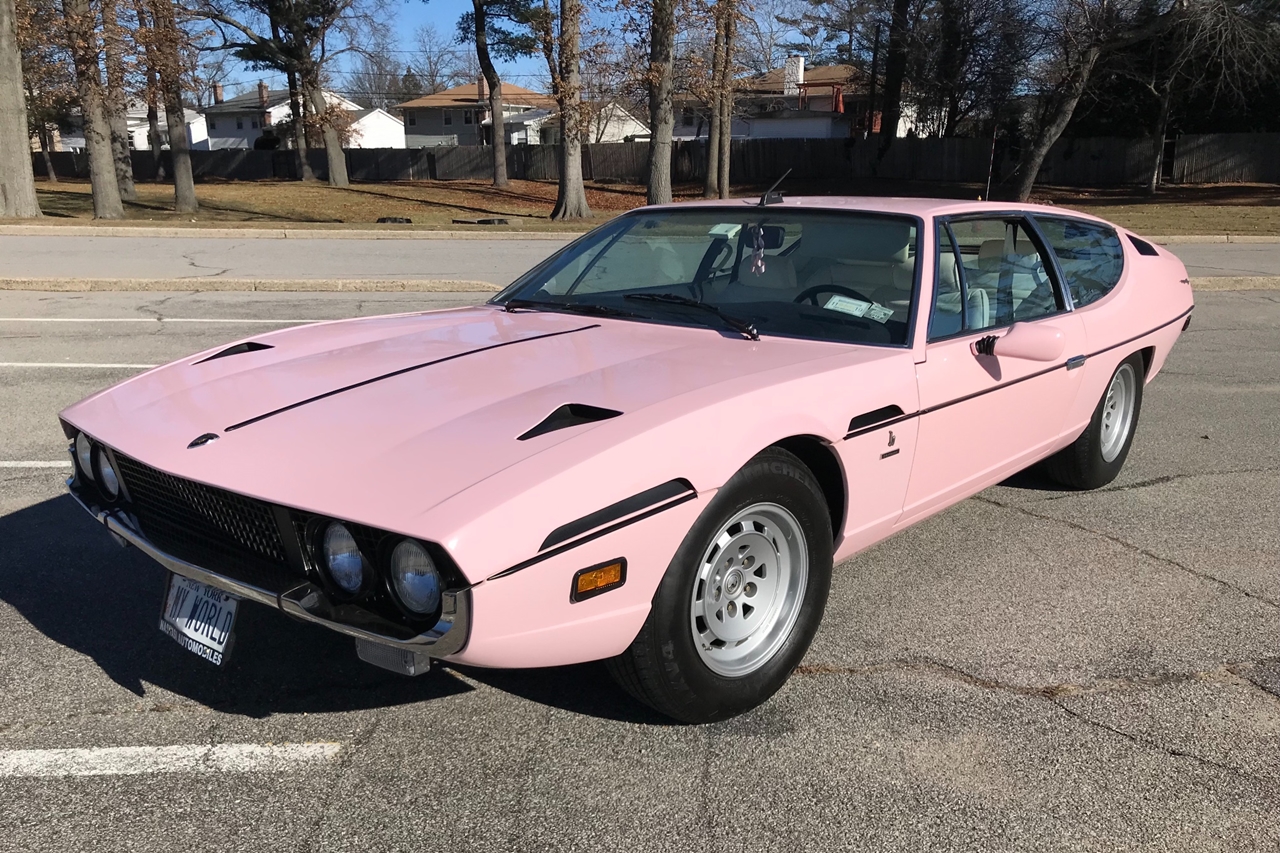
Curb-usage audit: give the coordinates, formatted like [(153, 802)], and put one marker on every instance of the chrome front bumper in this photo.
[(306, 601)]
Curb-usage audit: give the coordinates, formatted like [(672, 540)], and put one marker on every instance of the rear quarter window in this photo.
[(1089, 254)]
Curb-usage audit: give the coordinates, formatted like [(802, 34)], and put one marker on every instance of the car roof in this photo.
[(921, 207)]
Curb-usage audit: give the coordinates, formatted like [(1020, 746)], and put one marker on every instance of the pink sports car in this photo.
[(650, 449)]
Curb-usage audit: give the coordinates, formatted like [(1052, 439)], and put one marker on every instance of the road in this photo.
[(1031, 670), (498, 261)]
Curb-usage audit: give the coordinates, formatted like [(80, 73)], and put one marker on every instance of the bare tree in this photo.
[(82, 38), (720, 63), (662, 44), (17, 182), (563, 53), (115, 98), (498, 28), (47, 74), (438, 62), (165, 50)]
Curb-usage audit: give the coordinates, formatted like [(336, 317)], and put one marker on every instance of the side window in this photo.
[(1003, 275), (1089, 254)]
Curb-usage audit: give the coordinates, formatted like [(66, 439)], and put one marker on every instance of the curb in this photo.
[(1236, 282), (190, 285), (1214, 238), (274, 233)]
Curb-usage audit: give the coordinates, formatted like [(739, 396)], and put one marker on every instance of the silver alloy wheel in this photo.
[(1117, 411), (749, 590)]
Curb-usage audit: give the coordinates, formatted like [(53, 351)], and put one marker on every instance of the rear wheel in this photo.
[(741, 599), (1096, 457)]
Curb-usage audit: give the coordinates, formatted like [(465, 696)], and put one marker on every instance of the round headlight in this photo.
[(414, 575), (84, 454), (108, 480), (342, 558)]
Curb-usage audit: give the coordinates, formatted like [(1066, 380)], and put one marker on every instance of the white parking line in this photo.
[(194, 758), (152, 320), (72, 364), (63, 463)]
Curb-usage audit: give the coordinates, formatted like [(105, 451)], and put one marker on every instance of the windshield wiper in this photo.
[(589, 308), (743, 327)]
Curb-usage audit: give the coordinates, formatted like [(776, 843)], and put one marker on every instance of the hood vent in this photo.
[(569, 415), (238, 349)]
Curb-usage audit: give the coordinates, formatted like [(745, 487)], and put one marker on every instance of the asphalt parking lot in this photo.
[(1031, 670)]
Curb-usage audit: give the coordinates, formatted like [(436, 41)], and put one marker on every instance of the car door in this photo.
[(985, 416)]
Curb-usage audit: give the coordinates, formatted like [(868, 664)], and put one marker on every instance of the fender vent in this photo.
[(1143, 247), (569, 415), (238, 349)]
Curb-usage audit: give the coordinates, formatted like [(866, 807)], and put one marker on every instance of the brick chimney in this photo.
[(482, 88), (217, 93), (792, 75), (262, 94)]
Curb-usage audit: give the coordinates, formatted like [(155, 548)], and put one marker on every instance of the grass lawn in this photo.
[(1210, 209)]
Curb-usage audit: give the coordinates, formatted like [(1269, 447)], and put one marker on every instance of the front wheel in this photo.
[(741, 599), (1096, 457)]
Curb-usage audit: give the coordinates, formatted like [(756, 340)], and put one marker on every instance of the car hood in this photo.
[(380, 419)]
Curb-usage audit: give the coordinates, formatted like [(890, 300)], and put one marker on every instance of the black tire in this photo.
[(1082, 465), (663, 667)]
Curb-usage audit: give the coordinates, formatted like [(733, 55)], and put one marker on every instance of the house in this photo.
[(792, 102), (240, 121), (71, 137), (458, 116), (606, 122)]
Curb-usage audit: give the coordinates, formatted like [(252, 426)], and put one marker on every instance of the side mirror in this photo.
[(1033, 342)]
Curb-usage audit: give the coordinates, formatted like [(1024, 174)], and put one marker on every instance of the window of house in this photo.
[(411, 119), (239, 124), (213, 124), (990, 273), (448, 116), (253, 123), (686, 117), (466, 117), (1088, 253)]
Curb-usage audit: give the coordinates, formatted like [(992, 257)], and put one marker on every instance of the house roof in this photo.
[(467, 95), (357, 115), (250, 102), (771, 82)]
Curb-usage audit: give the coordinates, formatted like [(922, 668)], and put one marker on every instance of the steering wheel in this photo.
[(811, 293)]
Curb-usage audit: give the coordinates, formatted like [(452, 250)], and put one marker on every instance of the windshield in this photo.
[(795, 273)]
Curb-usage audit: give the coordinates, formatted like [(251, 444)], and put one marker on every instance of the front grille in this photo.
[(206, 526)]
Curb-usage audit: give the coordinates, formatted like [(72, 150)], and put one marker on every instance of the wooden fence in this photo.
[(1092, 162)]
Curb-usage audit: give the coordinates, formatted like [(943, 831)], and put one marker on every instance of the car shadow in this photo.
[(1034, 479), (68, 578)]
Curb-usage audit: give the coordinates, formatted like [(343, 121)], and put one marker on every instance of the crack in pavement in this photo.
[(1236, 674), (1132, 547), (192, 263)]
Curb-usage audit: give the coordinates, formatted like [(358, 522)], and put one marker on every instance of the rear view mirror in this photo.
[(774, 235)]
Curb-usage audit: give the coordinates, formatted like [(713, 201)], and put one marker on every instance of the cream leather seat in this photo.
[(869, 257)]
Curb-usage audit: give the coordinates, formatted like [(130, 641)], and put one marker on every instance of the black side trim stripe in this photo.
[(613, 512), (568, 546), (402, 371), (1065, 365)]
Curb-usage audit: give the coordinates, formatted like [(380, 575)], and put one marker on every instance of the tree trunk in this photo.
[(711, 181), (895, 71), (662, 45), (115, 101), (1050, 129), (495, 93), (169, 67), (17, 179), (1157, 138), (662, 119), (298, 114), (336, 157), (97, 133), (154, 138), (46, 145), (571, 198), (726, 100)]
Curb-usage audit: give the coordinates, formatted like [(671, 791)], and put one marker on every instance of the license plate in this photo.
[(199, 617)]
